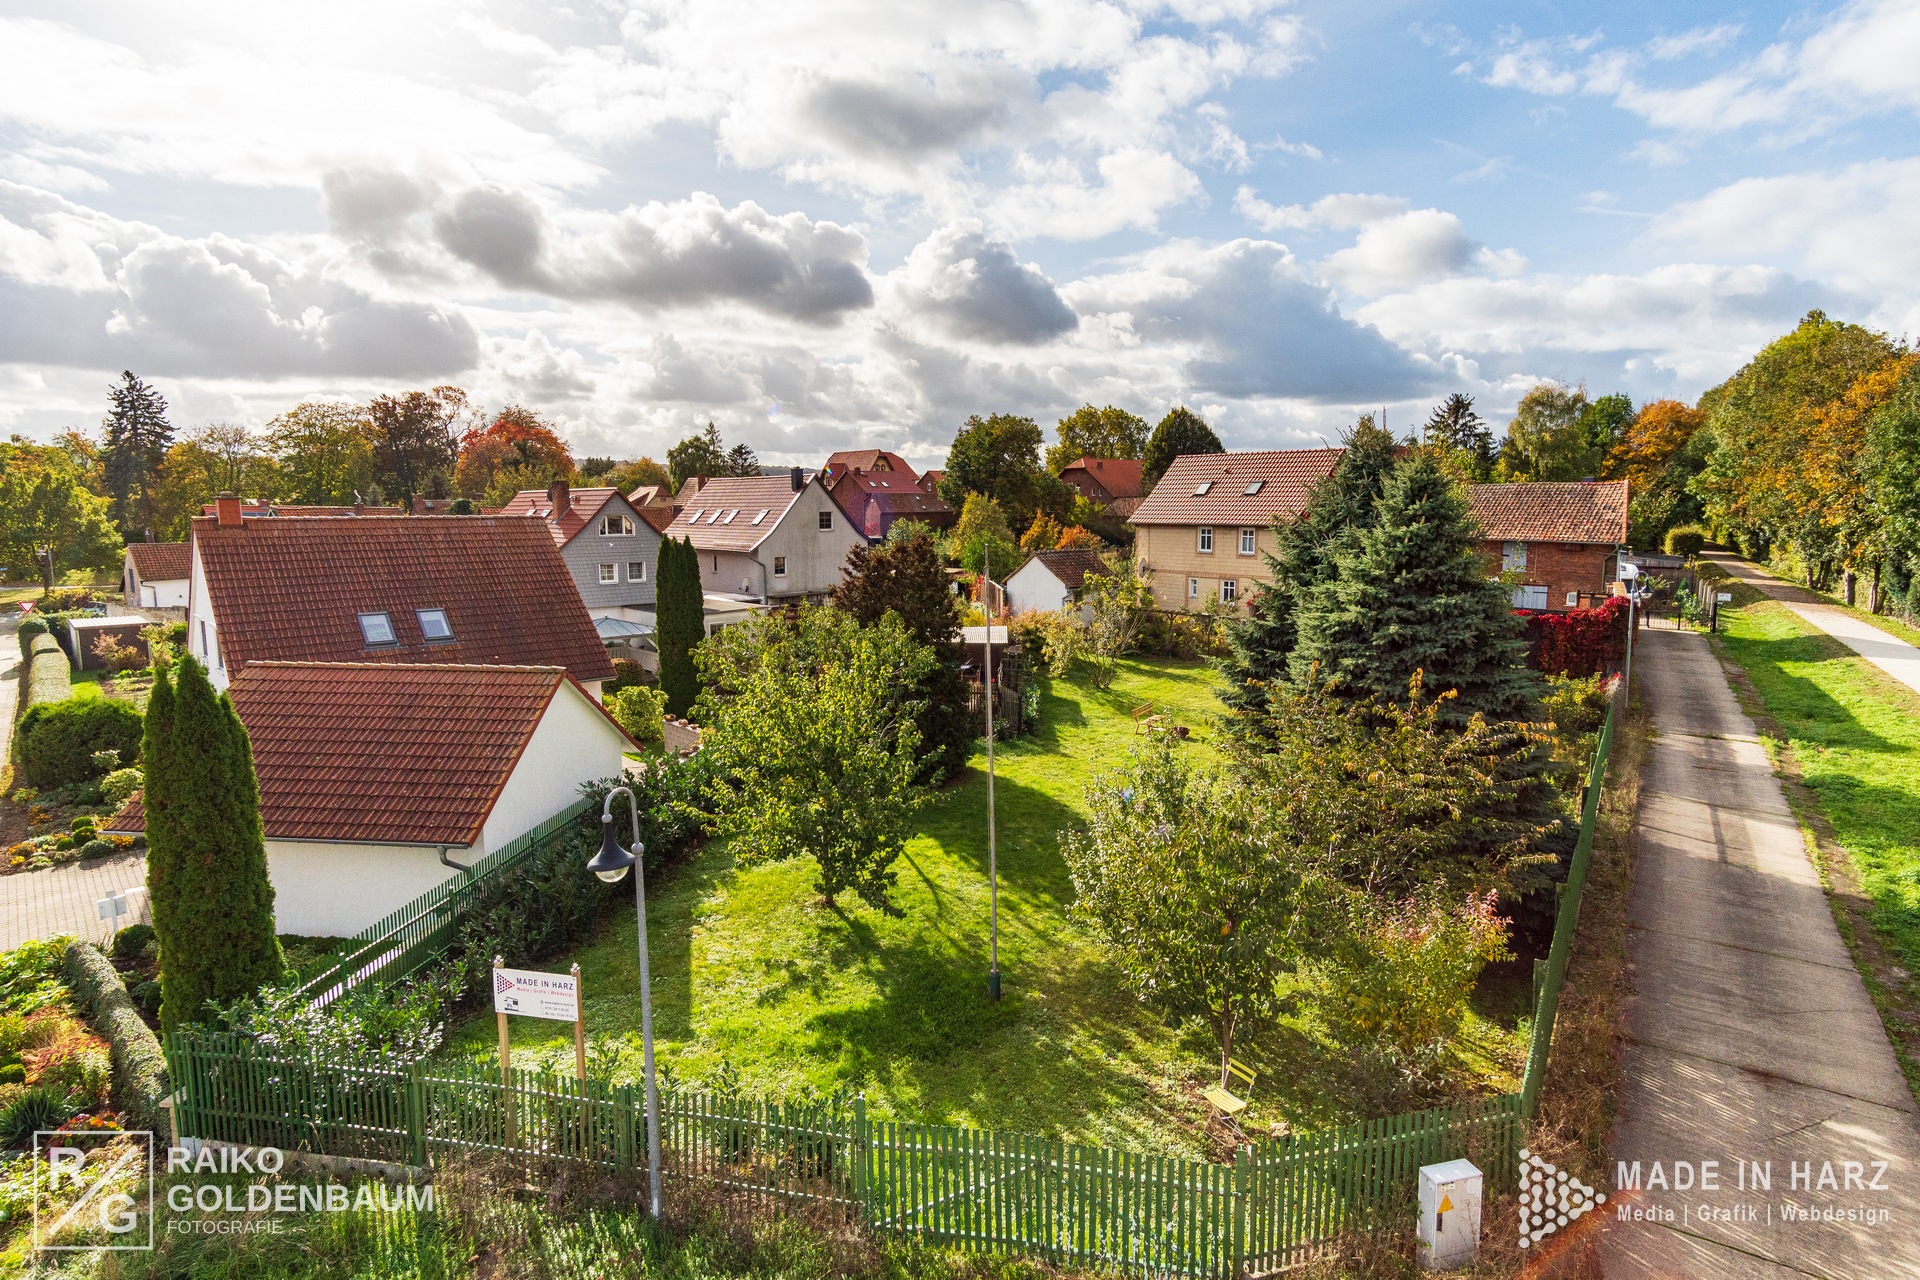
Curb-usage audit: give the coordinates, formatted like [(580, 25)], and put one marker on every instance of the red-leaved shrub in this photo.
[(1578, 642)]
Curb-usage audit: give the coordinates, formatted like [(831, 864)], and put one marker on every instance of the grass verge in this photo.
[(1844, 738)]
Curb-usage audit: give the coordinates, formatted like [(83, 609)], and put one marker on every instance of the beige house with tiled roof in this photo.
[(1201, 534), (765, 539), (1560, 539)]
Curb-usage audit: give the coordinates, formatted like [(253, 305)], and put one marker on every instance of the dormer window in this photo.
[(616, 527), (1200, 490), (377, 629), (434, 625)]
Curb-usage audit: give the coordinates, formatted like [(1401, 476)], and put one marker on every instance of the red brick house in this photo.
[(1563, 538), (1113, 482), (874, 488)]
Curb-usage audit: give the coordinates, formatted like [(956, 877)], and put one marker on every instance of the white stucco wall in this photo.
[(203, 638), (336, 890), (169, 593), (1035, 587)]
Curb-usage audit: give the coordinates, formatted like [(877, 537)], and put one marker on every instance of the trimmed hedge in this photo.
[(139, 1066), (30, 626), (1578, 642), (1685, 541), (49, 676), (57, 741)]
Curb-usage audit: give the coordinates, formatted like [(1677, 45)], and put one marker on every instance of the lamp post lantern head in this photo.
[(612, 862), (1629, 570)]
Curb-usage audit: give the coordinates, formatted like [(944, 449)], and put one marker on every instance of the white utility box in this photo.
[(1449, 1215)]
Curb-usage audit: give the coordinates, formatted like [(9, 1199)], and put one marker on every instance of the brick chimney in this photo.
[(226, 510), (798, 482), (560, 497), (419, 504)]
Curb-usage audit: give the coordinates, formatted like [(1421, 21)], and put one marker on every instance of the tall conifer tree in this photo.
[(137, 438), (213, 901), (680, 623), (1305, 557), (1413, 594)]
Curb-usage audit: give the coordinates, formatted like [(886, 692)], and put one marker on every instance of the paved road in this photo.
[(1751, 1038), (1888, 652)]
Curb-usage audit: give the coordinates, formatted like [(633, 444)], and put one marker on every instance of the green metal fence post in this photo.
[(1237, 1256), (416, 1114), (861, 1146)]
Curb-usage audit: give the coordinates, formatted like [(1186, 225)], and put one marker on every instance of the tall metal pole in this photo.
[(646, 1012), (993, 857)]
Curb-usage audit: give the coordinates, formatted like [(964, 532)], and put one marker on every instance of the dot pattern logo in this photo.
[(1550, 1198)]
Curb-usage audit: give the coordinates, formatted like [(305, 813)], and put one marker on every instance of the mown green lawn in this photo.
[(752, 975), (1855, 733)]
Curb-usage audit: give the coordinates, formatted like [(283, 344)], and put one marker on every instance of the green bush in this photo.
[(41, 1107), (30, 626), (98, 849), (147, 996), (30, 976), (57, 740), (638, 710), (120, 784), (49, 677), (131, 941), (140, 1068), (13, 1073), (1685, 540)]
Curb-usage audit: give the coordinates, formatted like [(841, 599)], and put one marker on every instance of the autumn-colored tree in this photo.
[(1657, 433), (1042, 535), (1076, 538), (219, 456), (516, 438), (637, 473)]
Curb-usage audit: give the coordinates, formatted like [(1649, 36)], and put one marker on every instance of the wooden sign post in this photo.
[(533, 994)]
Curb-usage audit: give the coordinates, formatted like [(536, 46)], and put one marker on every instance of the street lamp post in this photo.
[(609, 865), (993, 860), (1630, 574)]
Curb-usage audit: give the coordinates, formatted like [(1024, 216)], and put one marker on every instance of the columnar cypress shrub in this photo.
[(212, 900), (1413, 594), (680, 623)]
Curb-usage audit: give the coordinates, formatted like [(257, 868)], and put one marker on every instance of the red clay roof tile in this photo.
[(1284, 476), (161, 561), (1553, 511)]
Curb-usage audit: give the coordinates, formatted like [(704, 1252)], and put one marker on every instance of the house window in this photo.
[(636, 571), (1513, 555), (1200, 490), (1247, 542), (826, 519), (693, 516), (762, 516), (1206, 539), (609, 574), (433, 624), (779, 566), (375, 628), (1529, 597), (204, 651), (1255, 487), (1229, 590), (1193, 588), (728, 518), (616, 527)]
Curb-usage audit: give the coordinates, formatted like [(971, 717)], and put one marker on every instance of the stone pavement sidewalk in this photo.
[(1751, 1040)]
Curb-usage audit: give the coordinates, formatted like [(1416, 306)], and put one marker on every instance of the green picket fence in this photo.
[(417, 934), (979, 1190)]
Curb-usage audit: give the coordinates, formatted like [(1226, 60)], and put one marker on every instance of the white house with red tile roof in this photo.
[(765, 538), (385, 589), (155, 575), (379, 782)]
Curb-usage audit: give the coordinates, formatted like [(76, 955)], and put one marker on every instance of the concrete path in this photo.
[(1752, 1040), (1888, 652), (42, 904)]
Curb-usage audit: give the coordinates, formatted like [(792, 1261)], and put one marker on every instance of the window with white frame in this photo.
[(433, 624), (616, 527), (609, 574), (1206, 539), (1513, 555), (779, 566), (1247, 541), (375, 628), (826, 520), (1229, 590), (1193, 588), (636, 571)]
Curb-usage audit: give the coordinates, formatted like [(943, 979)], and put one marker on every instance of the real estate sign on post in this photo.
[(537, 995)]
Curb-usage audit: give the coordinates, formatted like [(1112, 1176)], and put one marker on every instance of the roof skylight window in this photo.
[(376, 628), (730, 516), (434, 624), (763, 514), (1200, 490), (1255, 487), (693, 516)]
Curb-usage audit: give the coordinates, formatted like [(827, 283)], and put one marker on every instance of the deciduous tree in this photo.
[(814, 746), (416, 441), (1088, 432), (1182, 431), (516, 438), (982, 536), (999, 456), (49, 521), (1547, 439), (325, 452)]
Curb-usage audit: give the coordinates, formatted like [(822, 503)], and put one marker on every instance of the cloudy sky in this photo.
[(825, 224)]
